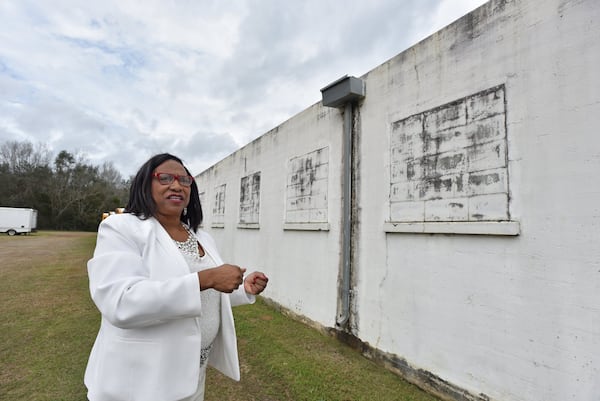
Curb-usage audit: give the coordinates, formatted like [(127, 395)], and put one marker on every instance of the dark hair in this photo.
[(141, 202)]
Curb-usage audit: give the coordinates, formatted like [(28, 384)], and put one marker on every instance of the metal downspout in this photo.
[(345, 92), (344, 315)]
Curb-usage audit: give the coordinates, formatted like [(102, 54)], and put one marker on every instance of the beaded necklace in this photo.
[(190, 245)]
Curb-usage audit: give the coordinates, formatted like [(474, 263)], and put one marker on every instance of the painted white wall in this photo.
[(511, 317), (302, 265)]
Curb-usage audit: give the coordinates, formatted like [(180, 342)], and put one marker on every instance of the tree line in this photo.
[(67, 191)]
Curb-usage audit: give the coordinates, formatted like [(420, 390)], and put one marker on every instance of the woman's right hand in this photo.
[(224, 278)]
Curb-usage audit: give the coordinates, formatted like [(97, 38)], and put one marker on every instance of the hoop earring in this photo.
[(185, 211)]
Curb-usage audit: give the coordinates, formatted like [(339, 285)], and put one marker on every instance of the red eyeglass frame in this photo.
[(175, 177)]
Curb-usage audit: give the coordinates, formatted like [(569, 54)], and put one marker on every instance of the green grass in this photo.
[(48, 324), (283, 359), (47, 321)]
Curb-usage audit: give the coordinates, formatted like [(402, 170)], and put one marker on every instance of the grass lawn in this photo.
[(48, 324)]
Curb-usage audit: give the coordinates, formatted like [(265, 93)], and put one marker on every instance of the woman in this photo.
[(164, 294)]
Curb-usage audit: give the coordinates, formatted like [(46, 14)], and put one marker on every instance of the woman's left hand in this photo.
[(255, 283)]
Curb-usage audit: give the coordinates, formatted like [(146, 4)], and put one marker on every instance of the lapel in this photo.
[(167, 260), (208, 248)]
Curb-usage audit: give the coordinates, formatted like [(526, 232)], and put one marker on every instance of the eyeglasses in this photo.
[(166, 179)]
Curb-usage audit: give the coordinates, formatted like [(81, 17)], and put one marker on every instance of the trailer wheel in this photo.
[(11, 232)]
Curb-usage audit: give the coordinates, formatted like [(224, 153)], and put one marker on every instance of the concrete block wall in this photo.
[(476, 265)]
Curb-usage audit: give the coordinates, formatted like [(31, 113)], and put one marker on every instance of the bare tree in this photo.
[(70, 194), (23, 157)]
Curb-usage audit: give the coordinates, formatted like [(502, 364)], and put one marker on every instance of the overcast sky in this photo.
[(121, 80)]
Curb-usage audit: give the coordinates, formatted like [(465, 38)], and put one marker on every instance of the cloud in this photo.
[(120, 81)]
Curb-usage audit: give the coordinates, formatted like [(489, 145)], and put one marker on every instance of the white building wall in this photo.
[(302, 261), (507, 317)]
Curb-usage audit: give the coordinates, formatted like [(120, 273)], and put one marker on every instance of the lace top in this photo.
[(210, 320)]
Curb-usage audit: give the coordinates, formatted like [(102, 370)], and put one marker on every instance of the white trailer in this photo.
[(16, 220)]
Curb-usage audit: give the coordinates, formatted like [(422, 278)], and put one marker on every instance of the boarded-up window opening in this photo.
[(202, 198), (306, 191), (449, 164), (250, 199), (218, 212)]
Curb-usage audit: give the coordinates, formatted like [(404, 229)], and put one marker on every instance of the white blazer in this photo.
[(148, 346)]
